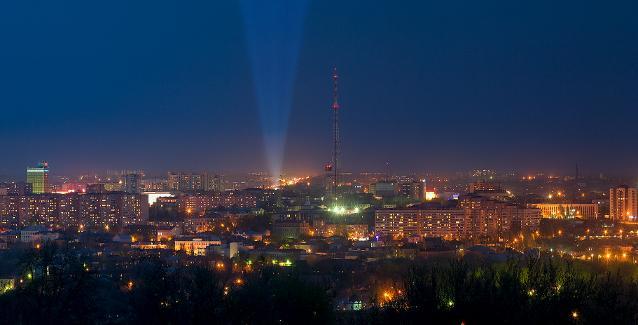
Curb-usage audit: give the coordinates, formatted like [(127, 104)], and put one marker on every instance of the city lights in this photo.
[(242, 234), (342, 210), (574, 314), (319, 162)]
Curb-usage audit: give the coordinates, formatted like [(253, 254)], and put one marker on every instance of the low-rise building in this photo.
[(568, 210), (168, 233), (350, 231), (196, 245), (37, 234), (290, 229), (228, 250)]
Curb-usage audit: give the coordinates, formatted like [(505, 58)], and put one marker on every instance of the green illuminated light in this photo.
[(341, 210), (286, 263)]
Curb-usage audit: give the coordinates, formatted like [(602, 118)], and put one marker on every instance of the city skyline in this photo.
[(318, 162), (428, 87), (63, 173)]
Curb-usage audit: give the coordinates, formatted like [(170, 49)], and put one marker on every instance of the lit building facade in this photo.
[(118, 209), (350, 231), (189, 182), (526, 219), (38, 210), (195, 246), (568, 210), (475, 217), (484, 186), (623, 203), (494, 219), (38, 178), (155, 185), (404, 223), (197, 204), (25, 210), (414, 190), (96, 210)]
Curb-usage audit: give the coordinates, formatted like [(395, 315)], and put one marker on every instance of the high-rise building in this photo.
[(68, 210), (155, 185), (473, 217), (383, 189), (426, 221), (216, 183), (494, 219), (38, 177), (19, 188), (96, 210), (112, 209), (38, 210), (187, 181), (414, 190), (623, 203), (10, 210), (197, 204), (132, 183), (489, 218)]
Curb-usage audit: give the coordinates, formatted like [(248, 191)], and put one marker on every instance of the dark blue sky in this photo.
[(427, 85)]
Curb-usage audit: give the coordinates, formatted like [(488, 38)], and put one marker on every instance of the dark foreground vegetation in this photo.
[(526, 291), (59, 288)]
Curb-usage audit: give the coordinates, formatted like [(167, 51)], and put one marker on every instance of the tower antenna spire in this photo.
[(335, 131)]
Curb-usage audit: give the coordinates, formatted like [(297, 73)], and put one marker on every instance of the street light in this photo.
[(575, 314)]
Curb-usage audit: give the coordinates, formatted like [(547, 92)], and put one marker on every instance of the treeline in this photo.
[(531, 290), (58, 287)]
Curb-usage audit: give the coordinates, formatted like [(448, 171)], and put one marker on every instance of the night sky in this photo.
[(427, 85)]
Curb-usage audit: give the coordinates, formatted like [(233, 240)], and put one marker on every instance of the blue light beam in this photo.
[(273, 31)]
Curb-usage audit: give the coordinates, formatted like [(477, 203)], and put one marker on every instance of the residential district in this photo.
[(348, 238)]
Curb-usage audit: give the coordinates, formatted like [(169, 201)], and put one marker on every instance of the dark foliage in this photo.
[(526, 291), (59, 288)]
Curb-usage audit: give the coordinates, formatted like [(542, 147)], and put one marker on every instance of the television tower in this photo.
[(335, 131)]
